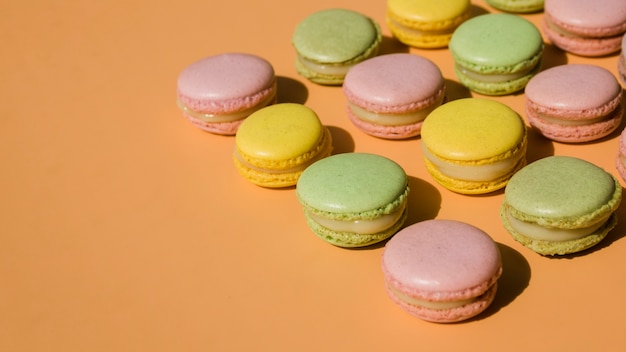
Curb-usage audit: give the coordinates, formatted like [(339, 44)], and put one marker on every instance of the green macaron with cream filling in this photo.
[(560, 205), (354, 199)]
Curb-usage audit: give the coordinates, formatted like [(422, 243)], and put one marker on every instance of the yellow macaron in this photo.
[(276, 143), (426, 23), (474, 145)]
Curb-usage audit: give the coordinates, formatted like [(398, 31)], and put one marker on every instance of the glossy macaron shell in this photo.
[(517, 6), (587, 28), (497, 53), (330, 41), (560, 193), (574, 102), (473, 145), (390, 93), (353, 187), (425, 23), (224, 89), (441, 261), (275, 144)]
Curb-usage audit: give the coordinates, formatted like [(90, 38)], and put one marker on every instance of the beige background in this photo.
[(124, 228)]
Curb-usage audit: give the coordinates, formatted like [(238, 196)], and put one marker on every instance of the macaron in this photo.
[(620, 160), (389, 96), (574, 103), (329, 42), (441, 271), (354, 199), (585, 28), (218, 92), (517, 6), (497, 53), (425, 23), (275, 144), (621, 62), (560, 205), (473, 145)]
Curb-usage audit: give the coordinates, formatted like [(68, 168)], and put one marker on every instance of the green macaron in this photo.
[(560, 205), (329, 42), (354, 199), (496, 54)]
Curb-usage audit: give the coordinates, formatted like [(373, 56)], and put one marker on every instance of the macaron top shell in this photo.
[(353, 183), (334, 36), (473, 129), (427, 13), (441, 260), (497, 43), (575, 90), (589, 18), (225, 83), (563, 191), (286, 132), (394, 83)]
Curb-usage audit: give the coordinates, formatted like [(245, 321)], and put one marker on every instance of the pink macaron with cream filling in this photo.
[(574, 103), (584, 27), (441, 271), (218, 92), (389, 96), (620, 160)]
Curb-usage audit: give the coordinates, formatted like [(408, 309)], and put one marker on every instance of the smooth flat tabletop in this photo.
[(125, 228)]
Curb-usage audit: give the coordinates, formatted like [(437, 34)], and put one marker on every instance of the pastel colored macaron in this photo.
[(496, 54), (354, 199), (621, 62), (426, 23), (442, 271), (389, 96), (274, 145), (585, 28), (517, 6), (560, 205), (218, 92), (620, 160), (574, 103), (329, 42), (473, 145)]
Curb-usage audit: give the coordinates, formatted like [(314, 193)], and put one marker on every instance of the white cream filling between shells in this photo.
[(364, 227), (541, 233)]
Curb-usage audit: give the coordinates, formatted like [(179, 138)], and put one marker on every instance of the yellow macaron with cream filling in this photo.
[(473, 145), (275, 144)]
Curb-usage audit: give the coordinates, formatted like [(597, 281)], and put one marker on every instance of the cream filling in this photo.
[(441, 305), (364, 227), (541, 233), (419, 33), (475, 173), (491, 77), (234, 116), (325, 69), (391, 119), (570, 122)]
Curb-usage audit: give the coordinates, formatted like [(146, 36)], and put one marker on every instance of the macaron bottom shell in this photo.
[(495, 88), (386, 132)]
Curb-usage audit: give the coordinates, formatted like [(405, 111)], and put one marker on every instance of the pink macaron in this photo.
[(584, 27), (441, 270), (620, 160), (621, 62), (218, 92), (574, 103), (389, 96)]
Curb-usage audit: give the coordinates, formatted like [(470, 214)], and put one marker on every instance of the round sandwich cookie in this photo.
[(426, 23), (560, 205), (621, 62), (389, 96), (354, 199), (274, 145), (473, 145), (218, 92), (441, 271), (517, 6), (585, 28), (574, 103), (496, 54), (620, 160), (329, 42)]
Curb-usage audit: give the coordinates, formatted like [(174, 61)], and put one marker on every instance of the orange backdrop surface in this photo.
[(125, 228)]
